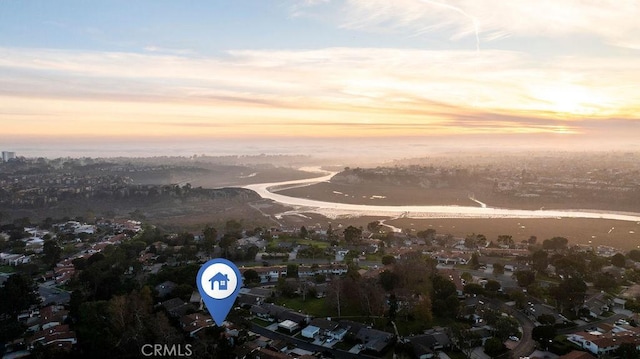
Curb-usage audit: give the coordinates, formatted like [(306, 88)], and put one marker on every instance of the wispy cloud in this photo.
[(613, 21), (316, 92)]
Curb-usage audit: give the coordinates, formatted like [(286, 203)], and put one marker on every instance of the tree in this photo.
[(51, 253), (292, 271), (470, 241), (618, 260), (505, 239), (627, 351), (233, 228), (498, 269), (546, 319), (544, 334), (494, 347), (604, 281), (227, 241), (466, 276), (304, 233), (17, 294), (352, 234), (540, 261), (525, 277), (79, 263), (444, 297), (285, 287), (570, 293), (473, 288), (555, 243), (388, 280), (634, 255), (465, 339), (481, 240), (474, 262), (570, 265), (428, 234), (120, 326), (492, 286), (210, 235), (374, 227), (251, 276), (504, 327), (519, 297), (330, 234), (388, 259)]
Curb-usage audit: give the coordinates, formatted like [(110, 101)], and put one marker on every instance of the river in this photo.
[(335, 209)]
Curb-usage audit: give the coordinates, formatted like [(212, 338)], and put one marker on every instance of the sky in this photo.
[(96, 73)]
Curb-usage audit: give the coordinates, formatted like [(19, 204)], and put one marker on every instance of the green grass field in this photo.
[(7, 269), (312, 306)]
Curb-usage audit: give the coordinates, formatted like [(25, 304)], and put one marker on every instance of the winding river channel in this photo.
[(335, 209)]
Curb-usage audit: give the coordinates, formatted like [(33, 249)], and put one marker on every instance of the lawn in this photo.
[(310, 242), (7, 269), (260, 322), (312, 306)]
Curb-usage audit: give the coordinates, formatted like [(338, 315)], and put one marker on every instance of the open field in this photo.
[(619, 234), (380, 195), (396, 195)]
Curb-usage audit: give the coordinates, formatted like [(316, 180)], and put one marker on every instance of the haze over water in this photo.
[(372, 149)]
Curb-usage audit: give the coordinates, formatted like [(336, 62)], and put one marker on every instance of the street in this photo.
[(50, 294)]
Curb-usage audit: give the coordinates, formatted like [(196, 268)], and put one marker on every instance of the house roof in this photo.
[(373, 339), (430, 340), (262, 353), (576, 354), (324, 324)]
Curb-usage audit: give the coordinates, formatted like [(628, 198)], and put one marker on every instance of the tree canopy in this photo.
[(555, 243)]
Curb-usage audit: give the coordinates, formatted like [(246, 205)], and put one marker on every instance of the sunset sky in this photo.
[(97, 71)]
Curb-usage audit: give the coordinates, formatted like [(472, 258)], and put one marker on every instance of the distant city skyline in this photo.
[(101, 73)]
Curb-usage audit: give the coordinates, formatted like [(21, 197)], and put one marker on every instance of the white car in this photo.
[(514, 338)]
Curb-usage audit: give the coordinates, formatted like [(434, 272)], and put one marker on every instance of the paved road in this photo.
[(51, 294), (526, 345)]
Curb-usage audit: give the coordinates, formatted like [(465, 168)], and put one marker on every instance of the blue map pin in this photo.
[(219, 282)]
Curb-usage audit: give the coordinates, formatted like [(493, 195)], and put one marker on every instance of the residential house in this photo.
[(373, 341), (454, 276), (483, 334), (262, 353), (196, 300), (577, 354), (426, 346), (597, 305), (600, 344), (272, 312), (58, 336), (193, 323), (176, 307)]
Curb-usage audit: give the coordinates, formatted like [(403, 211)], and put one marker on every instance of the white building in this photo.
[(6, 156)]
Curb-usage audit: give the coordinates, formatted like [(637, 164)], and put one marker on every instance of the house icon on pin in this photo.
[(222, 280)]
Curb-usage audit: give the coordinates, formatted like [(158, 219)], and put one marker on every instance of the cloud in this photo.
[(613, 21), (378, 90)]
